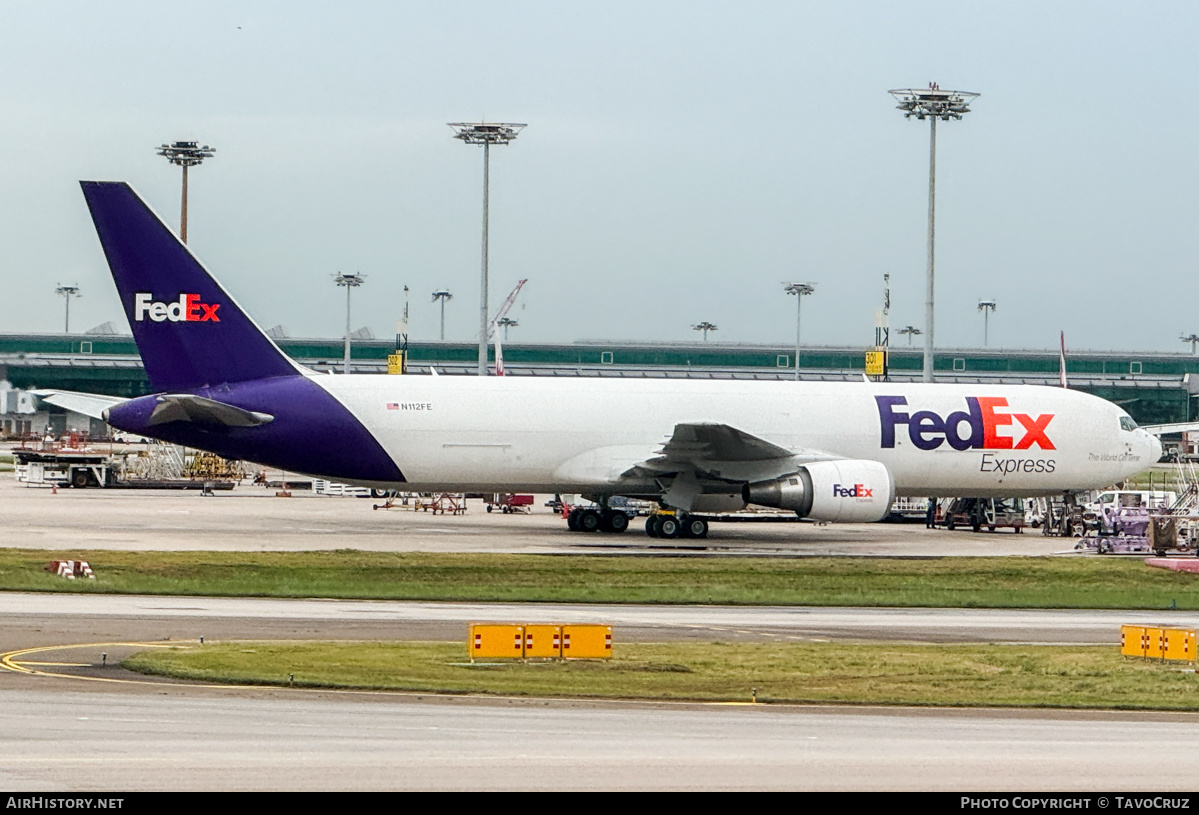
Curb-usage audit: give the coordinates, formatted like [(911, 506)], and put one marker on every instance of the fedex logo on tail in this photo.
[(984, 425), (187, 308)]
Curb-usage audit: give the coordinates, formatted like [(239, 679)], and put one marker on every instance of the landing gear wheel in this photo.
[(589, 520), (668, 527), (651, 526), (694, 528), (572, 520), (616, 522)]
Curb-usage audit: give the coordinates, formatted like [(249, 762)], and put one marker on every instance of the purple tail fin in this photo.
[(188, 329)]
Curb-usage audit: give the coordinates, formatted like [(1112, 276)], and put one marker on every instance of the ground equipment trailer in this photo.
[(64, 468), (508, 502)]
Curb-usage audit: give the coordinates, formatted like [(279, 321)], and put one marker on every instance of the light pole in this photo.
[(909, 330), (442, 295), (986, 307), (185, 154), (1193, 340), (67, 292), (506, 323), (932, 104), (799, 290), (705, 327), (351, 282), (486, 134)]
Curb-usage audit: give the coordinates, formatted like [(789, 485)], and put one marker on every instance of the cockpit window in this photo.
[(1126, 423)]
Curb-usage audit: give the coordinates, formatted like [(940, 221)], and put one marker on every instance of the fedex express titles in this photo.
[(187, 308), (981, 426)]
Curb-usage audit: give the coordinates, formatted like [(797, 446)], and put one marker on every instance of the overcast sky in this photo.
[(682, 160)]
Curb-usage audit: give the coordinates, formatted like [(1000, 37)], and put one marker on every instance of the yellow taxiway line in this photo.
[(12, 660)]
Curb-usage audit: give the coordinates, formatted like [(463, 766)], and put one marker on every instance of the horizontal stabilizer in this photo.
[(197, 409), (87, 404)]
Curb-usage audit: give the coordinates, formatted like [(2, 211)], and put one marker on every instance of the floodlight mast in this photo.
[(909, 330), (506, 323), (185, 154), (1193, 340), (705, 327), (799, 290), (486, 134), (68, 292), (350, 282), (986, 307), (932, 103), (443, 295)]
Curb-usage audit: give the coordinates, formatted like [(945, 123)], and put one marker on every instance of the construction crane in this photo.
[(493, 329)]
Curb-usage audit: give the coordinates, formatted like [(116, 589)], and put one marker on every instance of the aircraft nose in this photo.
[(1154, 445)]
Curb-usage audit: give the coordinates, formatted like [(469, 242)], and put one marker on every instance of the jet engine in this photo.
[(848, 490)]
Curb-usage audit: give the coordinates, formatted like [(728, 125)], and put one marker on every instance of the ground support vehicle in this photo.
[(1060, 517), (1137, 530), (1100, 513), (904, 508), (445, 503), (1115, 544), (509, 502), (1121, 530), (993, 513), (62, 468)]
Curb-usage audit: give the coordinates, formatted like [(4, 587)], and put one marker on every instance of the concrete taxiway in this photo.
[(183, 739), (253, 519)]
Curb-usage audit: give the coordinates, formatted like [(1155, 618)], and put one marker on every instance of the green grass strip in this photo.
[(874, 674), (1001, 582)]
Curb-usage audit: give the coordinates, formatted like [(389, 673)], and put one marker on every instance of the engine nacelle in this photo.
[(850, 490)]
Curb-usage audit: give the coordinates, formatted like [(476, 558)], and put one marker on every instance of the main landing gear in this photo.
[(675, 526), (601, 519), (658, 525)]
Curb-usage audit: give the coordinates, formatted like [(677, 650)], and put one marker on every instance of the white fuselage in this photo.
[(578, 435)]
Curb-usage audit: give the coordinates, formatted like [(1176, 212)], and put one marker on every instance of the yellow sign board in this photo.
[(543, 641), (486, 641), (395, 363), (875, 363), (515, 641), (586, 642), (1157, 642)]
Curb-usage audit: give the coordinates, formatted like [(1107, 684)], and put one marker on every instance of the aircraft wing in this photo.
[(1180, 427), (694, 451), (720, 451), (88, 404)]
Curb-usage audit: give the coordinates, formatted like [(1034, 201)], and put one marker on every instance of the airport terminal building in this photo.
[(1154, 387)]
